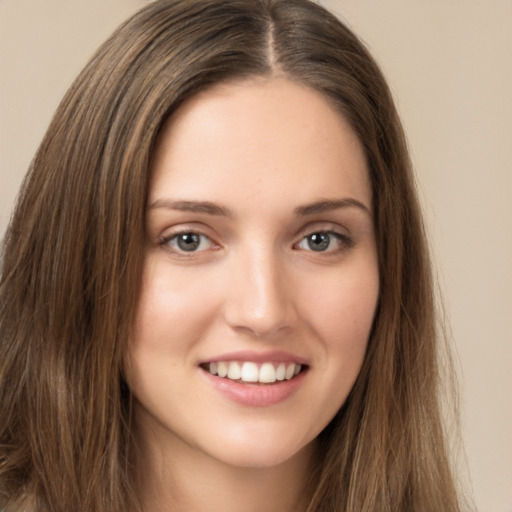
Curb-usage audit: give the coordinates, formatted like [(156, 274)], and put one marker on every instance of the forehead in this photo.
[(254, 139)]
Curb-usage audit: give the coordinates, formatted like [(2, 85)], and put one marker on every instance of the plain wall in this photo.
[(449, 63)]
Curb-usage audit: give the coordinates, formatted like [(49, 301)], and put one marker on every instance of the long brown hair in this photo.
[(73, 252)]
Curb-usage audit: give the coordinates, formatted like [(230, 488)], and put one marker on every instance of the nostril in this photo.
[(259, 301)]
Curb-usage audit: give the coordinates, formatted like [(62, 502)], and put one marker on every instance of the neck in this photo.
[(186, 480)]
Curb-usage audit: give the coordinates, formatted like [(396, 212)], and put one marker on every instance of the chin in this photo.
[(266, 453)]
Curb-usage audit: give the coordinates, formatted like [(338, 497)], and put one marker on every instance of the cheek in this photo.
[(343, 309), (173, 314), (341, 313), (174, 308)]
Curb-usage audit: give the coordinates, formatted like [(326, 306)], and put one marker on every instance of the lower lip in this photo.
[(256, 395)]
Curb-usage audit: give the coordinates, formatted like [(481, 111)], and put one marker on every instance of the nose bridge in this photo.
[(260, 300)]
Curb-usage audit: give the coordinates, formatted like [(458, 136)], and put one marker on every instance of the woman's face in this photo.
[(260, 280)]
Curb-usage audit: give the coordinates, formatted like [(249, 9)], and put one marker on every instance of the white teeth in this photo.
[(222, 369), (234, 371), (281, 372), (267, 373), (248, 371)]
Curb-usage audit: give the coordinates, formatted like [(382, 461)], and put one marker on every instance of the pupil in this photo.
[(318, 241), (188, 241)]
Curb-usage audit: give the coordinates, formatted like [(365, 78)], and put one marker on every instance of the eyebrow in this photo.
[(215, 209), (192, 206), (329, 205)]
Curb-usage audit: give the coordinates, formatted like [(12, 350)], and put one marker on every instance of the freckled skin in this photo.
[(260, 148)]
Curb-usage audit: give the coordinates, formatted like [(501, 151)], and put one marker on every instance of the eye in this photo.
[(325, 241), (189, 241)]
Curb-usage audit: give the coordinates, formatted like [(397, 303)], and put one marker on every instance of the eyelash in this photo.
[(166, 241), (344, 242)]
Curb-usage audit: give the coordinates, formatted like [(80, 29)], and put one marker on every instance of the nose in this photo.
[(259, 295)]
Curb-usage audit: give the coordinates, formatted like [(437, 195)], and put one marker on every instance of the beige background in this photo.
[(449, 63)]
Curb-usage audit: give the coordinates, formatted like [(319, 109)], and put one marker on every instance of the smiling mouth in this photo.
[(254, 373)]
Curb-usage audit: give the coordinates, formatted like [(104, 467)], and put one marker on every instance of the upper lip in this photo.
[(270, 356)]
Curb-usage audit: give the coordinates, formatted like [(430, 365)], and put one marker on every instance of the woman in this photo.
[(215, 289)]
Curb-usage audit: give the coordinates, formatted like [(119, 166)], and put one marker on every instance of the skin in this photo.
[(259, 150)]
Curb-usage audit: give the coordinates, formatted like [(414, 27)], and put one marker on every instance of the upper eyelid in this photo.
[(323, 227), (169, 236), (200, 229), (187, 227), (342, 237)]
